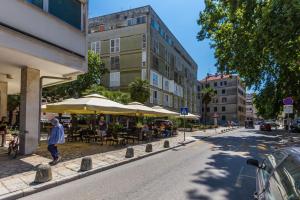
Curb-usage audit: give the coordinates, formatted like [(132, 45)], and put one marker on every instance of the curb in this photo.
[(223, 131), (51, 184)]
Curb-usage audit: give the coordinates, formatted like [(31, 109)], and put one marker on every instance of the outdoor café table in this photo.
[(122, 134), (131, 137)]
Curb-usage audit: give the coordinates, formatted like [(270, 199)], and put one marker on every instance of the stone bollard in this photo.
[(86, 164), (166, 144), (43, 173), (148, 148), (129, 152)]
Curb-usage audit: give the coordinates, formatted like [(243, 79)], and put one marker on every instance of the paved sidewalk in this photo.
[(286, 139), (17, 175)]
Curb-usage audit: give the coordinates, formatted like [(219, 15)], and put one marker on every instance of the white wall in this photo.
[(33, 20)]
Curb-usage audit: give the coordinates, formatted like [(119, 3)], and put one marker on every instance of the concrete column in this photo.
[(29, 110), (3, 99)]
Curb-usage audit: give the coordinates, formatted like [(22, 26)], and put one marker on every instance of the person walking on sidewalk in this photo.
[(57, 136)]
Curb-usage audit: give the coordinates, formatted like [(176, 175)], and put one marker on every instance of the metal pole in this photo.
[(184, 128), (288, 122)]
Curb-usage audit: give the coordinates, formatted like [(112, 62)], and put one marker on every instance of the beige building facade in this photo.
[(41, 43), (137, 44), (251, 112), (229, 103)]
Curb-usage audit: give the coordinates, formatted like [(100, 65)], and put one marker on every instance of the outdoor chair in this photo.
[(132, 135), (157, 133), (116, 140), (148, 135), (174, 132), (73, 135), (89, 135)]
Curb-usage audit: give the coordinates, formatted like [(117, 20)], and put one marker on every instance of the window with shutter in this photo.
[(114, 79), (112, 46), (115, 63), (96, 47), (118, 45)]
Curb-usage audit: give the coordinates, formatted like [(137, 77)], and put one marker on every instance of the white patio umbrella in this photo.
[(164, 111), (141, 109), (189, 116), (89, 104)]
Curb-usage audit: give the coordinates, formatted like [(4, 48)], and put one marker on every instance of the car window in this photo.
[(266, 170), (276, 158)]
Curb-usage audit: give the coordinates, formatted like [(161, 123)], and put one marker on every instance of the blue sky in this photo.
[(179, 15)]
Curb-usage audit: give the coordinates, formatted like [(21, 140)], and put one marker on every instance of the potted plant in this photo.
[(139, 125)]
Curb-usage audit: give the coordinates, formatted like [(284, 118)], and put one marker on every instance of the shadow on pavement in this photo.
[(226, 174), (10, 166)]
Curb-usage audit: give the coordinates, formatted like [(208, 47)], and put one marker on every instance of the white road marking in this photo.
[(248, 176), (238, 180)]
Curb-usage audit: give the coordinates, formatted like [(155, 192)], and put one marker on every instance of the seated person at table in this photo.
[(163, 130), (102, 127), (166, 132), (145, 128)]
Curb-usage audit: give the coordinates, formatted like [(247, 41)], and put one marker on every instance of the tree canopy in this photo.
[(207, 94), (118, 96), (139, 90), (94, 75), (259, 40)]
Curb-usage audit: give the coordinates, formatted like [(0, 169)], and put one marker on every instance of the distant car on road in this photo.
[(278, 175), (265, 126), (234, 123), (295, 127), (249, 124)]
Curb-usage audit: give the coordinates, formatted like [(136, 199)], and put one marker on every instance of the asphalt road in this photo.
[(210, 169)]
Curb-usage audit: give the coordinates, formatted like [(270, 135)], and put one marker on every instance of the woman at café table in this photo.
[(102, 127)]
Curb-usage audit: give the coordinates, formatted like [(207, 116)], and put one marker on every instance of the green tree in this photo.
[(94, 75), (263, 98), (207, 94), (139, 90), (13, 102), (259, 40), (118, 96)]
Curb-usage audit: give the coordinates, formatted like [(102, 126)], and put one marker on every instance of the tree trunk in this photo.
[(205, 114), (10, 117)]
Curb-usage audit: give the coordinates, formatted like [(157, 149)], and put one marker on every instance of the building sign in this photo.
[(184, 111), (288, 101), (288, 109)]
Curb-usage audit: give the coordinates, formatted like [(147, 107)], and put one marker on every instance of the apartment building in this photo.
[(137, 44), (251, 112), (42, 42), (229, 103)]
